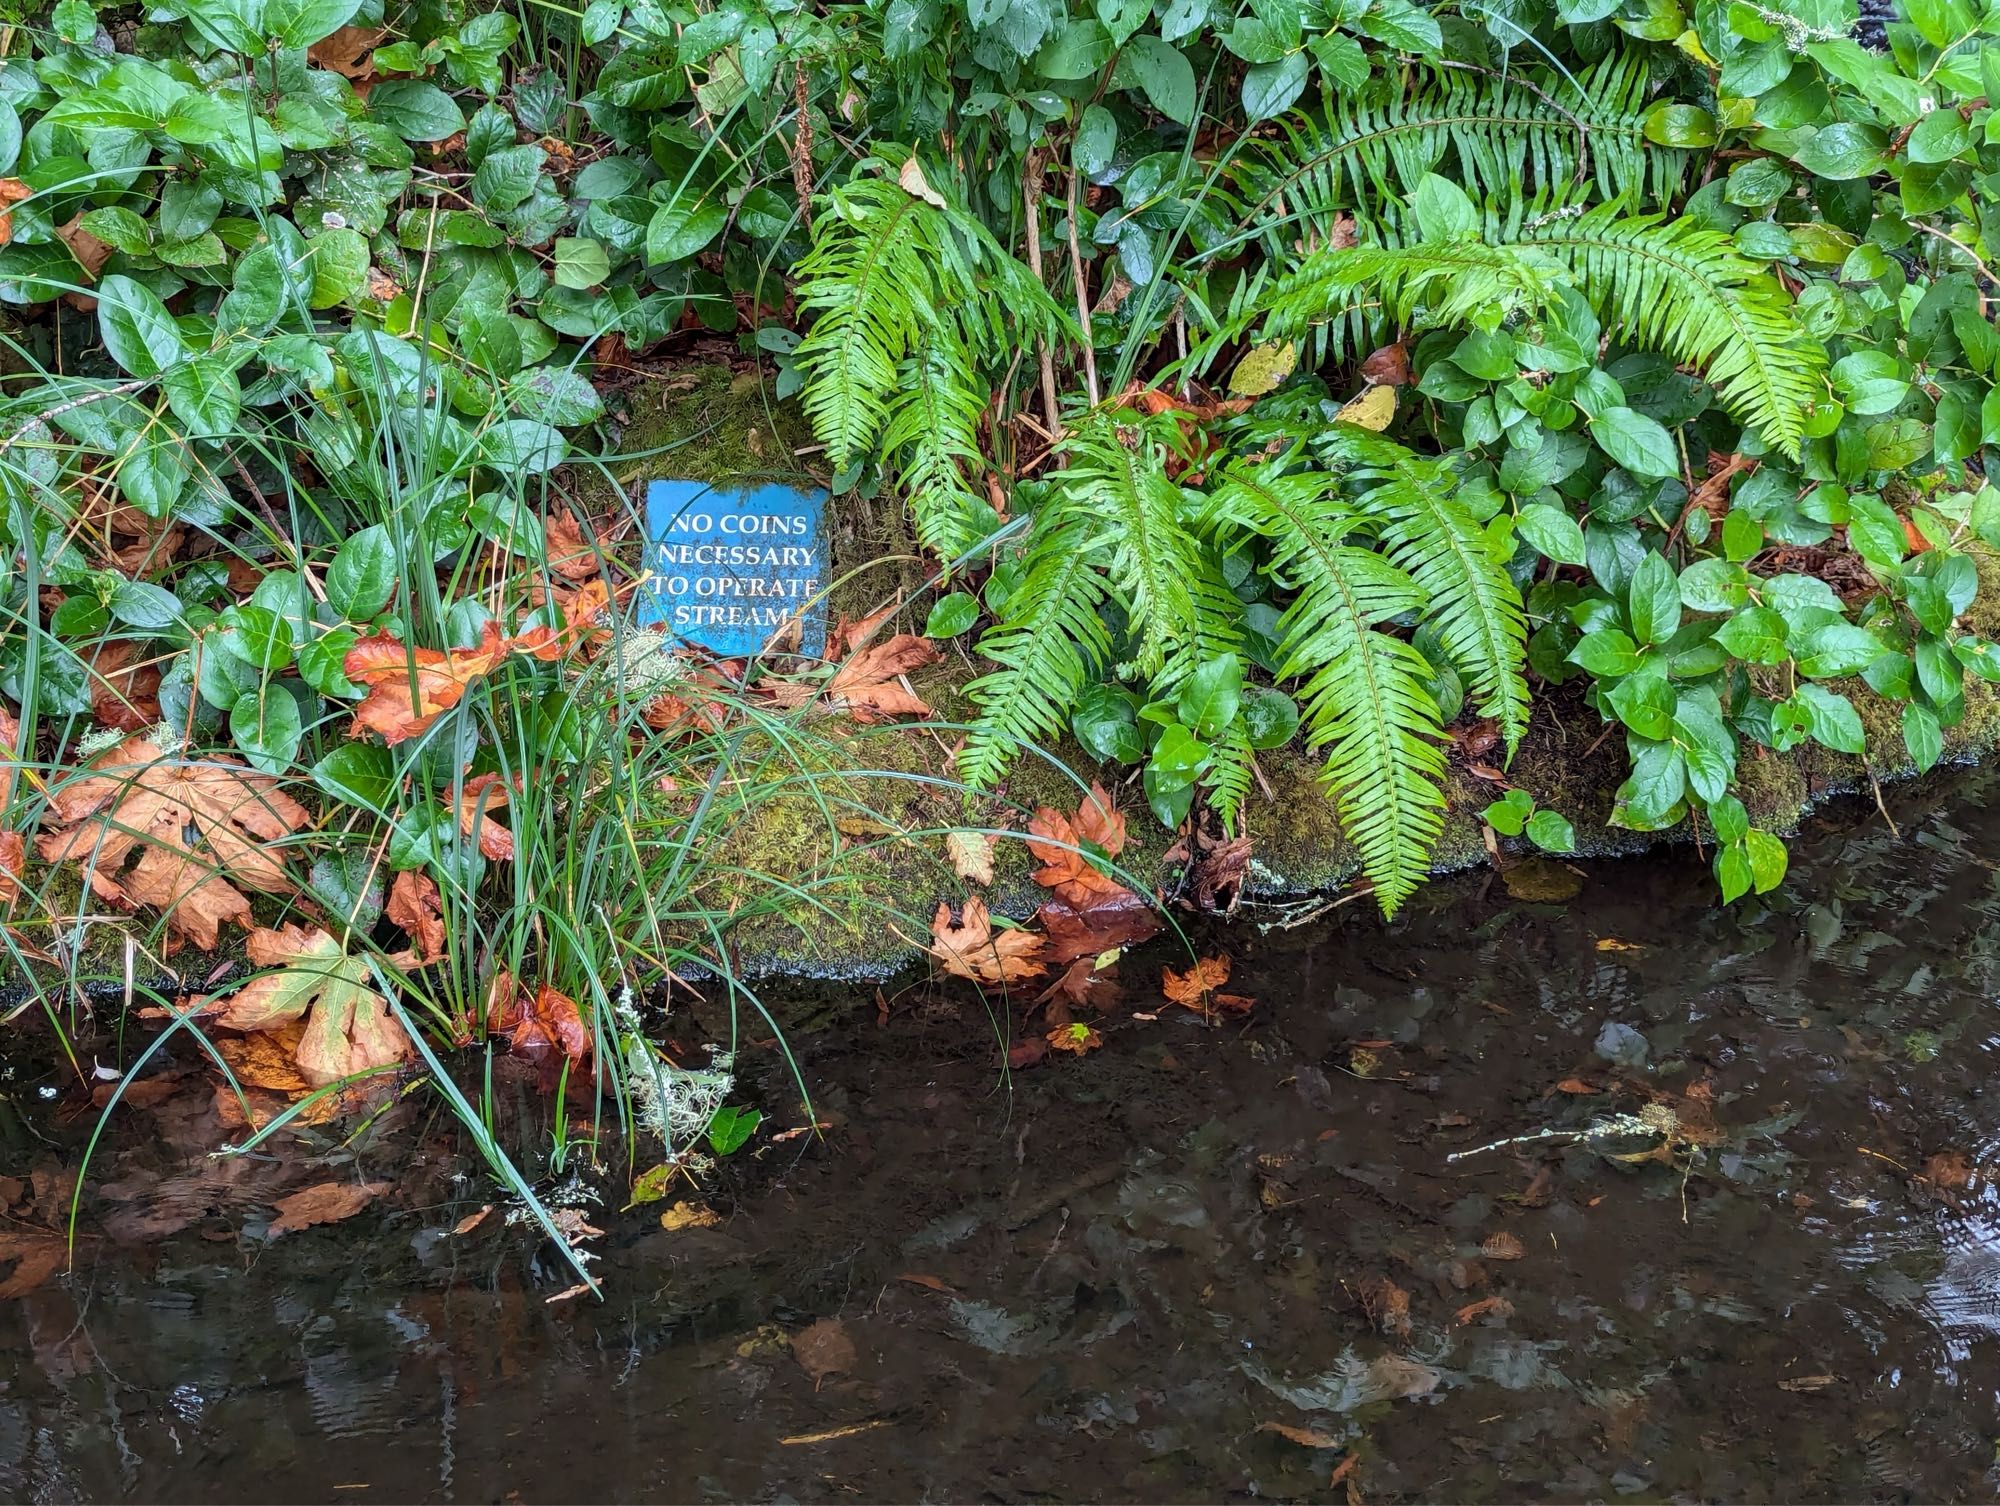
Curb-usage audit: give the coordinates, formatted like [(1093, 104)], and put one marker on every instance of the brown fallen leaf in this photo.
[(1087, 983), (970, 947), (327, 1203), (415, 905), (971, 854), (1388, 366), (409, 687), (13, 844), (545, 1027), (348, 51), (479, 797), (865, 687), (1949, 1171), (1110, 921), (136, 799), (349, 1030), (123, 689), (570, 554), (12, 191), (928, 1283), (1197, 988), (1808, 1383), (1485, 1307), (91, 253), (824, 1349), (34, 1257), (689, 1216), (473, 1219), (1576, 1086), (1303, 1437), (1502, 1246), (1387, 1304), (1613, 944)]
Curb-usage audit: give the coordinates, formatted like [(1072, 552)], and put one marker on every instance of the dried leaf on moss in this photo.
[(137, 800)]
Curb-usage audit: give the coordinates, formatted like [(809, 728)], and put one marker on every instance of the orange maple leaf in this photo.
[(481, 794), (570, 555), (409, 688), (1075, 1036), (971, 948), (1197, 988), (1066, 866), (136, 799), (544, 1027)]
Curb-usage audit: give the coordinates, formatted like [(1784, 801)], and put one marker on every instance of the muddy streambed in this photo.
[(1197, 1264)]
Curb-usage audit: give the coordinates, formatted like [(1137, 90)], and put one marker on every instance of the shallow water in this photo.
[(1130, 1266)]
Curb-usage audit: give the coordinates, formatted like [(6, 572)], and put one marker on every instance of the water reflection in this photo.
[(1739, 1238)]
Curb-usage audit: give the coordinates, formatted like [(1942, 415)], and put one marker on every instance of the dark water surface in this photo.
[(1783, 1285)]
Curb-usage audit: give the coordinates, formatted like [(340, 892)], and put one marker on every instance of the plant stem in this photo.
[(1082, 299), (1031, 193)]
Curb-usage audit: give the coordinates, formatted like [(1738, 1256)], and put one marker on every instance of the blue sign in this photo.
[(731, 566)]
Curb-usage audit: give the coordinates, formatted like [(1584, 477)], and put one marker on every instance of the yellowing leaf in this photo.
[(350, 1029), (1263, 367), (1372, 410), (916, 185)]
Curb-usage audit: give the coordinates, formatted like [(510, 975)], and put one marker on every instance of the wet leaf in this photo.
[(971, 854), (1110, 921), (928, 1283), (1502, 1246), (1263, 368), (689, 1216), (824, 1349), (1066, 866), (545, 1027), (349, 1029), (970, 947), (327, 1203), (479, 797), (1087, 983), (348, 51), (1075, 1037), (34, 1258), (1485, 1307), (866, 686), (1808, 1383), (1576, 1086), (1387, 1304), (1303, 1437), (472, 1220), (570, 555), (136, 800), (1373, 409), (1540, 881), (653, 1183), (1388, 366), (1197, 988)]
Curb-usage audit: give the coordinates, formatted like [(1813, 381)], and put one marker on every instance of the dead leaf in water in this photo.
[(35, 1257), (971, 948), (928, 1283), (1110, 921), (1197, 988), (1807, 1383), (1485, 1307), (349, 1030), (1303, 1437), (1076, 1037), (1387, 1304), (1397, 1375), (689, 1216), (824, 1349), (1503, 1246), (327, 1203)]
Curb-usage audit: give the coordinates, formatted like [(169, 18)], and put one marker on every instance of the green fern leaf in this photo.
[(1454, 283), (932, 438), (1679, 287), (1364, 699), (1472, 601), (1051, 645)]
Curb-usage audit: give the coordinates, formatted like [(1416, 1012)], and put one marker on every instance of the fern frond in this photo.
[(1441, 284), (1051, 645), (1679, 287), (1492, 134), (1115, 475), (932, 439), (1365, 700), (872, 290), (1471, 600)]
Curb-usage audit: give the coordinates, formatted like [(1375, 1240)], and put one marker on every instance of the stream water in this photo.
[(1200, 1263)]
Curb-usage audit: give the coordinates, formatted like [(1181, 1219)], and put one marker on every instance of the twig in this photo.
[(1082, 298), (802, 145), (121, 390), (1951, 240), (1876, 786), (1031, 193)]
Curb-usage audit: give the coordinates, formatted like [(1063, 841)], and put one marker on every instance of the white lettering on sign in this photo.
[(732, 566)]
